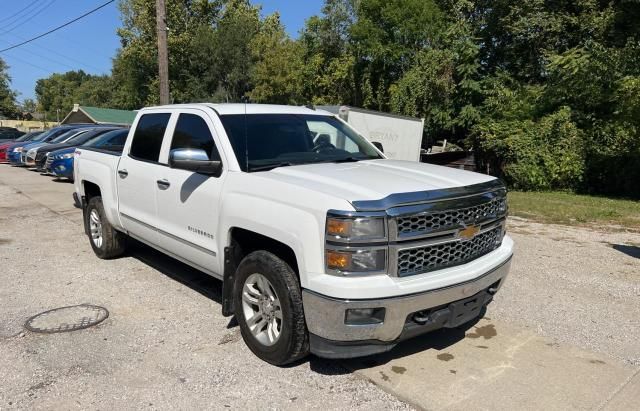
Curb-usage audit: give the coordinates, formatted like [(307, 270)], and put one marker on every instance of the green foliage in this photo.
[(7, 96), (546, 93), (59, 92), (534, 155)]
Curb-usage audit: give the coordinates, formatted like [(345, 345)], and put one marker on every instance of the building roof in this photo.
[(96, 115)]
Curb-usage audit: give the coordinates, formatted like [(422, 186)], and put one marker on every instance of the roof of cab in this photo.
[(240, 108)]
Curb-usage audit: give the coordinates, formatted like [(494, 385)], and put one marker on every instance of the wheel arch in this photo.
[(241, 243)]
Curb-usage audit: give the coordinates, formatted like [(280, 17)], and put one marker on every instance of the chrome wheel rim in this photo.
[(95, 228), (262, 310)]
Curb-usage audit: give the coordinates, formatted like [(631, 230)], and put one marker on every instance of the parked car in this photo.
[(78, 137), (15, 154), (324, 248), (7, 145), (60, 162), (9, 133), (53, 135)]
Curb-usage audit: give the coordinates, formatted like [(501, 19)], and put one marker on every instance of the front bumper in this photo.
[(331, 338), (61, 168)]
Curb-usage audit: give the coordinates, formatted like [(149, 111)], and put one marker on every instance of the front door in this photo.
[(188, 203)]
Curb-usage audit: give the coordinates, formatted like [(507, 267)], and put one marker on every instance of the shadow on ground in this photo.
[(630, 250), (174, 269), (211, 288)]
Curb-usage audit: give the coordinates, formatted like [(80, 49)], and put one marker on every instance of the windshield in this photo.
[(28, 136), (64, 136), (78, 138), (265, 141), (44, 135), (115, 137)]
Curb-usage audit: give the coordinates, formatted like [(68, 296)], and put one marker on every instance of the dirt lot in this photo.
[(564, 333)]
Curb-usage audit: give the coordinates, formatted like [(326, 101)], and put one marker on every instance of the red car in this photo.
[(4, 146)]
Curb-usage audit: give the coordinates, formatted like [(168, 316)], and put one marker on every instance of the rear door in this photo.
[(189, 203), (137, 174)]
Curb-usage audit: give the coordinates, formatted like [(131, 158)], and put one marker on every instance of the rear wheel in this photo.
[(106, 241), (268, 307)]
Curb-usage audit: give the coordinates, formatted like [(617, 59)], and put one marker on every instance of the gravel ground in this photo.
[(165, 344), (575, 285)]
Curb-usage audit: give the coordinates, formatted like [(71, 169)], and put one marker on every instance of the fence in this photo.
[(25, 125)]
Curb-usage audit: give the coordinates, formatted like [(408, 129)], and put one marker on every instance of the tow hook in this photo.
[(421, 317)]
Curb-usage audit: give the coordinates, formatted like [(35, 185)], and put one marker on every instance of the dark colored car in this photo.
[(9, 133), (60, 162), (78, 137)]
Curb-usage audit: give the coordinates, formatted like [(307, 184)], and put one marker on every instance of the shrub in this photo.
[(534, 155)]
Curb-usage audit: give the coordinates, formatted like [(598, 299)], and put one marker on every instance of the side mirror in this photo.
[(195, 160), (378, 146)]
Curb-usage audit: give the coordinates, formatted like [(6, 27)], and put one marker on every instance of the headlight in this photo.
[(64, 156), (356, 243), (17, 150), (346, 261), (355, 229)]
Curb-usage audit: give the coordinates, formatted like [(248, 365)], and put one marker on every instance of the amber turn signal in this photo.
[(338, 227), (337, 260)]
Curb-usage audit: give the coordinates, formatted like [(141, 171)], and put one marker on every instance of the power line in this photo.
[(79, 63), (19, 11), (52, 51), (58, 28), (17, 23)]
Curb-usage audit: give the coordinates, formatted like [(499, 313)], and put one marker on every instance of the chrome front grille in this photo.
[(432, 235), (436, 256), (449, 219), (47, 164)]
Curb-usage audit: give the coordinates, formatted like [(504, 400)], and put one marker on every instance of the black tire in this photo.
[(293, 342), (113, 241)]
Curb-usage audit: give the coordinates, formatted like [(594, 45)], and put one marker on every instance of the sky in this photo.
[(90, 43)]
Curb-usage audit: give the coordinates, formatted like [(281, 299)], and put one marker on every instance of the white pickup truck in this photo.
[(322, 244)]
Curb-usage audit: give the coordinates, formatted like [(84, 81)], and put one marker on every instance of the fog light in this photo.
[(364, 316)]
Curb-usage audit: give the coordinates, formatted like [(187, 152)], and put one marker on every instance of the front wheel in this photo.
[(105, 240), (268, 307)]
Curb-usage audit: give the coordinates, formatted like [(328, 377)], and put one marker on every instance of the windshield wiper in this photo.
[(349, 159), (271, 166)]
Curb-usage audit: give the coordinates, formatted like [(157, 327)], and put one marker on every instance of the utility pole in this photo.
[(163, 54)]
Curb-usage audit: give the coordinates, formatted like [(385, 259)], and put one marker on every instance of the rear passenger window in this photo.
[(147, 139), (193, 132)]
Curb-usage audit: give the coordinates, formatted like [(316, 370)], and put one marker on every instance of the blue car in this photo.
[(60, 162)]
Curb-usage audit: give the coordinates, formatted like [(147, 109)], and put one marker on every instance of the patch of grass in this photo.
[(574, 209)]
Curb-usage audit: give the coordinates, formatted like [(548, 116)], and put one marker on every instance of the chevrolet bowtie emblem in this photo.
[(469, 232)]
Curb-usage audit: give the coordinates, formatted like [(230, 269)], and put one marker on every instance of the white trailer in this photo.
[(401, 136)]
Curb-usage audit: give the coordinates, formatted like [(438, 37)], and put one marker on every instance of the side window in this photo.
[(147, 139), (193, 132)]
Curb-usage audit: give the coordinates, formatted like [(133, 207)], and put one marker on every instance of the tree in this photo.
[(276, 72), (7, 95)]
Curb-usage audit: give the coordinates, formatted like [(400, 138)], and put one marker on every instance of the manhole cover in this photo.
[(65, 319)]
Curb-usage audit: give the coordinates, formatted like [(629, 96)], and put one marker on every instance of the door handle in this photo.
[(163, 184), (123, 173)]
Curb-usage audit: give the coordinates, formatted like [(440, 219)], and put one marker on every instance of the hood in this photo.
[(30, 146), (62, 151), (19, 144), (53, 147), (374, 179), (6, 144)]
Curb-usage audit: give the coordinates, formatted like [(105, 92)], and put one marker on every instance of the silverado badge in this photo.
[(469, 232)]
